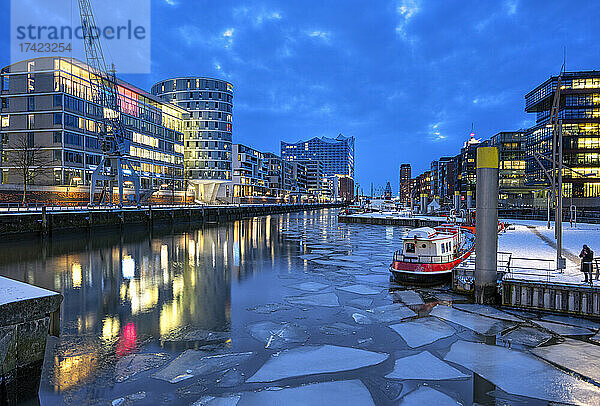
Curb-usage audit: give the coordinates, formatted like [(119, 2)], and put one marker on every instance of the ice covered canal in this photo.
[(286, 310)]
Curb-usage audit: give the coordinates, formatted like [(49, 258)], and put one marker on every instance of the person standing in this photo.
[(587, 257)]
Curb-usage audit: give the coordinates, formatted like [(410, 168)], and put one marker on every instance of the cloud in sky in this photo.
[(405, 77)]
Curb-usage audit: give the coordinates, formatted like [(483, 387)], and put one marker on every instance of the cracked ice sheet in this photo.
[(217, 401), (341, 393), (310, 286), (376, 279), (563, 329), (319, 299), (577, 356), (312, 360), (409, 297), (192, 362), (132, 364), (572, 321), (360, 290), (277, 336), (488, 311), (527, 336), (480, 324), (522, 374), (427, 396), (423, 331), (424, 366), (390, 313)]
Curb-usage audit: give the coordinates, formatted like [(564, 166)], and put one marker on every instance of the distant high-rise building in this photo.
[(207, 131), (405, 183), (387, 193), (335, 154)]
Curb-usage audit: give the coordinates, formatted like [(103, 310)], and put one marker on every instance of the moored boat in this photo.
[(430, 254)]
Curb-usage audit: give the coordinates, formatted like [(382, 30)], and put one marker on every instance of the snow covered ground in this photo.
[(532, 239)]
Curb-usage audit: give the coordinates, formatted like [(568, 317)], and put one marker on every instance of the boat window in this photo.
[(443, 247), (410, 247), (423, 246)]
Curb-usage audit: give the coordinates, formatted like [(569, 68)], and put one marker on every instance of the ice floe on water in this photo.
[(423, 331), (487, 311), (480, 324), (339, 329), (376, 279), (195, 363), (363, 302), (269, 308), (408, 297), (319, 299), (572, 321), (310, 256), (563, 329), (573, 355), (342, 393), (522, 374), (360, 290), (217, 401), (278, 335), (310, 286), (311, 360), (526, 336), (424, 366), (391, 313), (424, 395), (133, 364)]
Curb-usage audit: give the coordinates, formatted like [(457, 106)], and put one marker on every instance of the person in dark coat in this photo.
[(587, 257)]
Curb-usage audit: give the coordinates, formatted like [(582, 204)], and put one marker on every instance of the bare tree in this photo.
[(29, 159)]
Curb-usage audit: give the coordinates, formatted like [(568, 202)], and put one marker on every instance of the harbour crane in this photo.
[(115, 166)]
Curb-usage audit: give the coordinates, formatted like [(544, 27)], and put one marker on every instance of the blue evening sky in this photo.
[(406, 78)]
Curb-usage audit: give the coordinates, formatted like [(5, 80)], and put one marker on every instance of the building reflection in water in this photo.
[(121, 288)]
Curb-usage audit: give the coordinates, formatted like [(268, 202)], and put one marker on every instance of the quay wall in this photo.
[(413, 222), (46, 221)]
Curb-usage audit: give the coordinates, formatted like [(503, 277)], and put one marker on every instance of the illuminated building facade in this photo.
[(511, 175), (47, 112), (250, 172), (335, 154), (207, 131), (405, 184), (580, 113)]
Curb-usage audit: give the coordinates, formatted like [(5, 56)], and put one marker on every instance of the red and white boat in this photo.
[(430, 254)]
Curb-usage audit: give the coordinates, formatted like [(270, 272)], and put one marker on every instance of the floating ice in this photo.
[(278, 335), (391, 313), (310, 286), (522, 374), (527, 336), (577, 356), (409, 297), (217, 401), (572, 321), (342, 393), (129, 399), (232, 377), (339, 328), (360, 290), (449, 297), (360, 318), (269, 308), (376, 279), (424, 366), (487, 311), (391, 389), (133, 364), (479, 324), (310, 360), (319, 299), (336, 263), (423, 331), (596, 338), (363, 302), (563, 329), (427, 396), (192, 362), (351, 258)]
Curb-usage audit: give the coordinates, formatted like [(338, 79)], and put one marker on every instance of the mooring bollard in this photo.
[(486, 229)]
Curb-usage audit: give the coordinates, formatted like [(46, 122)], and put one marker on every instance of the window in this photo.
[(410, 247), (30, 121), (4, 102), (30, 103), (57, 100), (56, 155), (5, 121), (57, 138), (6, 83), (57, 118), (30, 140)]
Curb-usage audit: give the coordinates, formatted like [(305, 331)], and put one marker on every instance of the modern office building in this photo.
[(316, 183), (404, 183), (468, 169), (207, 132), (280, 176), (48, 115), (445, 183), (580, 114), (300, 181), (435, 180), (336, 154), (511, 176), (250, 172)]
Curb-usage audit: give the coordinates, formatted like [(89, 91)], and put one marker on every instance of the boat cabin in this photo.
[(426, 244)]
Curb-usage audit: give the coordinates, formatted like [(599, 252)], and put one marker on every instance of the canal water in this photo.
[(246, 310)]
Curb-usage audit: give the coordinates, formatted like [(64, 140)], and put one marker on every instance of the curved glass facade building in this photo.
[(207, 132)]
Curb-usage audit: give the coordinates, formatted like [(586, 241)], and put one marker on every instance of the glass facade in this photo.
[(208, 126), (47, 105), (580, 113), (335, 154)]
